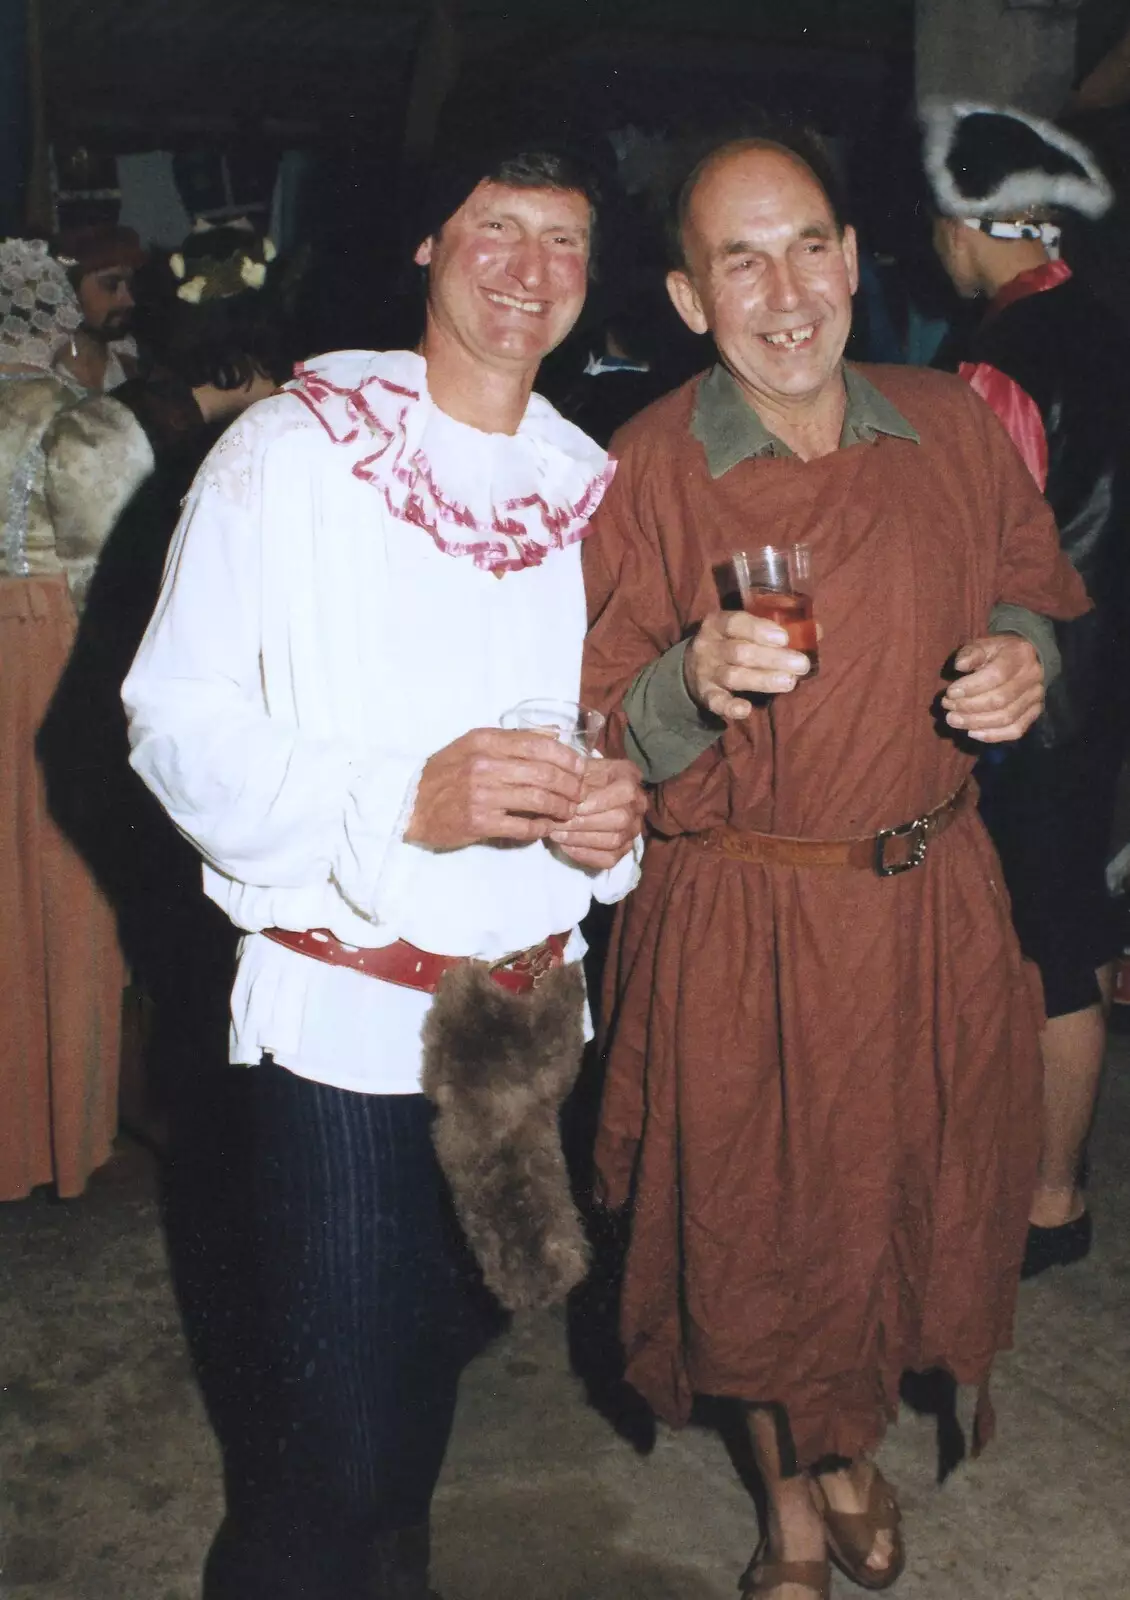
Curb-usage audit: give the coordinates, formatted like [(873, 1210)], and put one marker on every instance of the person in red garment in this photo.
[(1055, 367), (823, 1067)]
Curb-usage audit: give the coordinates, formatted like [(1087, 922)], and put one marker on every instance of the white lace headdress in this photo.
[(39, 310)]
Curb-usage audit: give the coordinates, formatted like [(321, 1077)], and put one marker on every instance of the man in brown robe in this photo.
[(823, 1079)]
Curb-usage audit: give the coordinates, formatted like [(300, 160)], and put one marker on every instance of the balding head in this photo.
[(804, 148), (770, 271)]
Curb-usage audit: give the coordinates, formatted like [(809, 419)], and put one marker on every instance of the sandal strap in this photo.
[(852, 1535), (858, 1530), (762, 1576)]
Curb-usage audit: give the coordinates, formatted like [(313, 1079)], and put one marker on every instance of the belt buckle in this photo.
[(919, 829), (533, 963)]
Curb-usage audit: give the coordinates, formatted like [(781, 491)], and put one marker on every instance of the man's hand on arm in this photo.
[(608, 818), (494, 783), (734, 652), (1001, 691)]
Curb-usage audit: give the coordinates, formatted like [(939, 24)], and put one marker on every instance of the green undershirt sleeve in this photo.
[(1039, 632), (666, 730)]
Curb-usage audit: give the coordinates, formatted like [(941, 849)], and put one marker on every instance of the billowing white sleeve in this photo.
[(616, 882), (265, 803)]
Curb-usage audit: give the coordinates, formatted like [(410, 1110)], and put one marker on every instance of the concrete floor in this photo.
[(110, 1478)]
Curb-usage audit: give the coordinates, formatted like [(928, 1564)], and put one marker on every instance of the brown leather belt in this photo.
[(404, 964), (907, 843)]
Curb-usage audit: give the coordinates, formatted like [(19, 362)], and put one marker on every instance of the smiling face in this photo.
[(771, 276), (507, 274)]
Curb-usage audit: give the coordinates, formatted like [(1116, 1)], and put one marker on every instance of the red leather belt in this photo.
[(412, 968)]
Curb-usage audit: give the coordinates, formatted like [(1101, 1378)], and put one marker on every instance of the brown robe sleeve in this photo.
[(632, 557), (632, 614)]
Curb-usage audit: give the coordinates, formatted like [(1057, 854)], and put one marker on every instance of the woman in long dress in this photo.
[(61, 973)]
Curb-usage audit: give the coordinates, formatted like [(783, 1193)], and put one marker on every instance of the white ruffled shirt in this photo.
[(329, 619)]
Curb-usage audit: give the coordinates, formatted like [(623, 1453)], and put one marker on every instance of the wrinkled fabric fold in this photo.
[(61, 973)]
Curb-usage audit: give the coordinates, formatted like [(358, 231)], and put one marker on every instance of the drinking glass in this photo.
[(774, 581), (572, 724)]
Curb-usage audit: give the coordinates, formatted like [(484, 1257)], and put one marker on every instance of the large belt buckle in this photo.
[(534, 963), (919, 830)]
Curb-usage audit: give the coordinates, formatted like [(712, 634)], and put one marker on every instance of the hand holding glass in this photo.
[(568, 722), (774, 582)]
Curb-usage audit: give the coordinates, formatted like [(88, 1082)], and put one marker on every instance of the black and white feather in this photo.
[(992, 161)]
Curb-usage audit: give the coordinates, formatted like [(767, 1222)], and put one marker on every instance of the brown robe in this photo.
[(823, 1086)]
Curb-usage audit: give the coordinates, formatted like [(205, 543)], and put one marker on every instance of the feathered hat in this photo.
[(1008, 173), (993, 161)]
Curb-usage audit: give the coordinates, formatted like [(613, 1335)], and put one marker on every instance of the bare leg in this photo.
[(795, 1530), (1072, 1048)]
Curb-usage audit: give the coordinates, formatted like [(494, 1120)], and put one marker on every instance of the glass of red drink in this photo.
[(775, 582)]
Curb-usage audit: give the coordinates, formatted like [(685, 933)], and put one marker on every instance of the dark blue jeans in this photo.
[(367, 1307)]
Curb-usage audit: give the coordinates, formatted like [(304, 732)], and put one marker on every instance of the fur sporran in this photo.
[(498, 1066)]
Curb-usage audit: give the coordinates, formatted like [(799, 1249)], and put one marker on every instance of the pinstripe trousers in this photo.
[(368, 1308)]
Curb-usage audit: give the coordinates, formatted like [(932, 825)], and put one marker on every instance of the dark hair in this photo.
[(225, 343), (95, 248), (451, 182), (803, 145), (546, 169)]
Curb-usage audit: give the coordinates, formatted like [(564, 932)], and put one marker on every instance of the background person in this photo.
[(117, 468), (1056, 369), (61, 977), (216, 344), (101, 260)]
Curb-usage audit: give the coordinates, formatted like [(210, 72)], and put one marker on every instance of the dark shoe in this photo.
[(1056, 1247), (400, 1564)]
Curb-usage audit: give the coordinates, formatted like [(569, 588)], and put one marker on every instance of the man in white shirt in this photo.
[(372, 567)]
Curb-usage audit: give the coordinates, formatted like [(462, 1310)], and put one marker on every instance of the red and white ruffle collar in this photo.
[(503, 500)]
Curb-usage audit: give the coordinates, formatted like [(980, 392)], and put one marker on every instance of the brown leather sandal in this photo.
[(851, 1534), (763, 1575)]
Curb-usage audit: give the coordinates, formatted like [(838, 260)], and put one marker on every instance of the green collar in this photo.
[(730, 430)]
